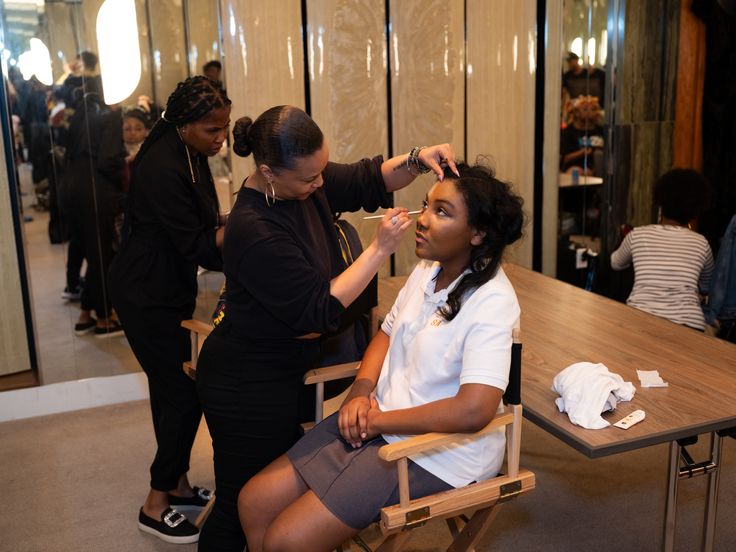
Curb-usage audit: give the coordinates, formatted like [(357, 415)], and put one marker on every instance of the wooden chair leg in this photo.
[(204, 513), (453, 526), (474, 529), (395, 542)]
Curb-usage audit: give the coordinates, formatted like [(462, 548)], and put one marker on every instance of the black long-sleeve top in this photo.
[(172, 224), (279, 260)]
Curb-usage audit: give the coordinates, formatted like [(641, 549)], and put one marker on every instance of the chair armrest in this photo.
[(429, 441), (330, 373), (197, 326), (455, 502)]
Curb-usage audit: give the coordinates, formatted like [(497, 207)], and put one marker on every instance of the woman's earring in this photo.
[(273, 194)]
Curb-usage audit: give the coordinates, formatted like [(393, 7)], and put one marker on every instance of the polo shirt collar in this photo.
[(439, 297)]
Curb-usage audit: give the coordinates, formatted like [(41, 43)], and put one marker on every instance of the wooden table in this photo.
[(562, 324)]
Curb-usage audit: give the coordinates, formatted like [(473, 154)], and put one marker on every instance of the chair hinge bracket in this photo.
[(509, 491), (417, 518)]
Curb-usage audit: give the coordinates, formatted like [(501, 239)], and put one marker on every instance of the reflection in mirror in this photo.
[(79, 116), (582, 120)]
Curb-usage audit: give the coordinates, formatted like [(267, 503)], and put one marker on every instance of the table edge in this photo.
[(599, 451)]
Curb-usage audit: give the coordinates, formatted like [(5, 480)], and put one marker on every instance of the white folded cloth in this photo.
[(587, 389)]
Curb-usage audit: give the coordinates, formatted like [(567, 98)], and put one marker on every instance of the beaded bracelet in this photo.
[(413, 160)]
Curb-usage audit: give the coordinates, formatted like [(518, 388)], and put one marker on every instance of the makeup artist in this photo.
[(287, 286), (172, 225)]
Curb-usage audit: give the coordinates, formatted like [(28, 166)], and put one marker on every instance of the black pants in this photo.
[(161, 345), (249, 392), (92, 227), (74, 260)]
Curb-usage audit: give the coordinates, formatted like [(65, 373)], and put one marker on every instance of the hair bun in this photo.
[(241, 146)]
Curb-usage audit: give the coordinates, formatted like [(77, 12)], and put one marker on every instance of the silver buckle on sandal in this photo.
[(205, 494), (174, 518)]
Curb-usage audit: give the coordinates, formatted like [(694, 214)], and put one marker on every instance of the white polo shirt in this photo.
[(429, 358)]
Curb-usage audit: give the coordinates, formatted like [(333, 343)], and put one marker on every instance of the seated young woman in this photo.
[(439, 363)]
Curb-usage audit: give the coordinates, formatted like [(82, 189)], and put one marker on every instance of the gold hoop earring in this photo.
[(273, 194)]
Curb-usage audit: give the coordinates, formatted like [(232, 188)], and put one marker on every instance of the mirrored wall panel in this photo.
[(582, 124), (86, 80)]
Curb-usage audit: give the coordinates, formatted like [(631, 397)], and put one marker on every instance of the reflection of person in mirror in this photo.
[(287, 286), (575, 79), (93, 159), (82, 73), (440, 362), (135, 129), (213, 71), (172, 227), (148, 106), (672, 263), (582, 139), (582, 81)]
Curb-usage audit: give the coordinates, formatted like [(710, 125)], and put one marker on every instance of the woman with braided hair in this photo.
[(171, 226)]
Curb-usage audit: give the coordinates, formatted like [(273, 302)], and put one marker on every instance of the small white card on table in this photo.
[(651, 378)]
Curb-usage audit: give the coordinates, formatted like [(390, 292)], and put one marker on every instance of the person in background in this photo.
[(582, 140), (172, 226), (287, 286), (575, 79), (136, 125), (149, 107), (672, 263), (92, 197), (439, 363), (82, 74), (213, 70)]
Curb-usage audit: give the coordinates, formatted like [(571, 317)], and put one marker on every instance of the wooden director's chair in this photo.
[(468, 511)]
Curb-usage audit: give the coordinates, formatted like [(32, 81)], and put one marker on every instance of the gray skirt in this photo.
[(354, 484)]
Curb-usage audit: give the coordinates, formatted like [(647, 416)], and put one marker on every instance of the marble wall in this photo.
[(500, 97), (349, 64), (264, 63), (427, 90), (347, 54), (647, 100)]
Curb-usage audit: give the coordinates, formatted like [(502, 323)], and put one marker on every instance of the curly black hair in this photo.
[(493, 208), (682, 194)]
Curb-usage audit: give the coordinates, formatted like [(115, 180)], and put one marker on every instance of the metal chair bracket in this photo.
[(417, 518), (509, 491)]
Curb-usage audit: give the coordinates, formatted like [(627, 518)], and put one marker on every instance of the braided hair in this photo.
[(493, 208), (192, 100)]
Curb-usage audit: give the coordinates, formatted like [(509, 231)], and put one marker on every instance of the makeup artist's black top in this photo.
[(170, 228), (279, 260)]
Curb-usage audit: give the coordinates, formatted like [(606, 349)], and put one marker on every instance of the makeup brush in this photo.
[(381, 216)]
